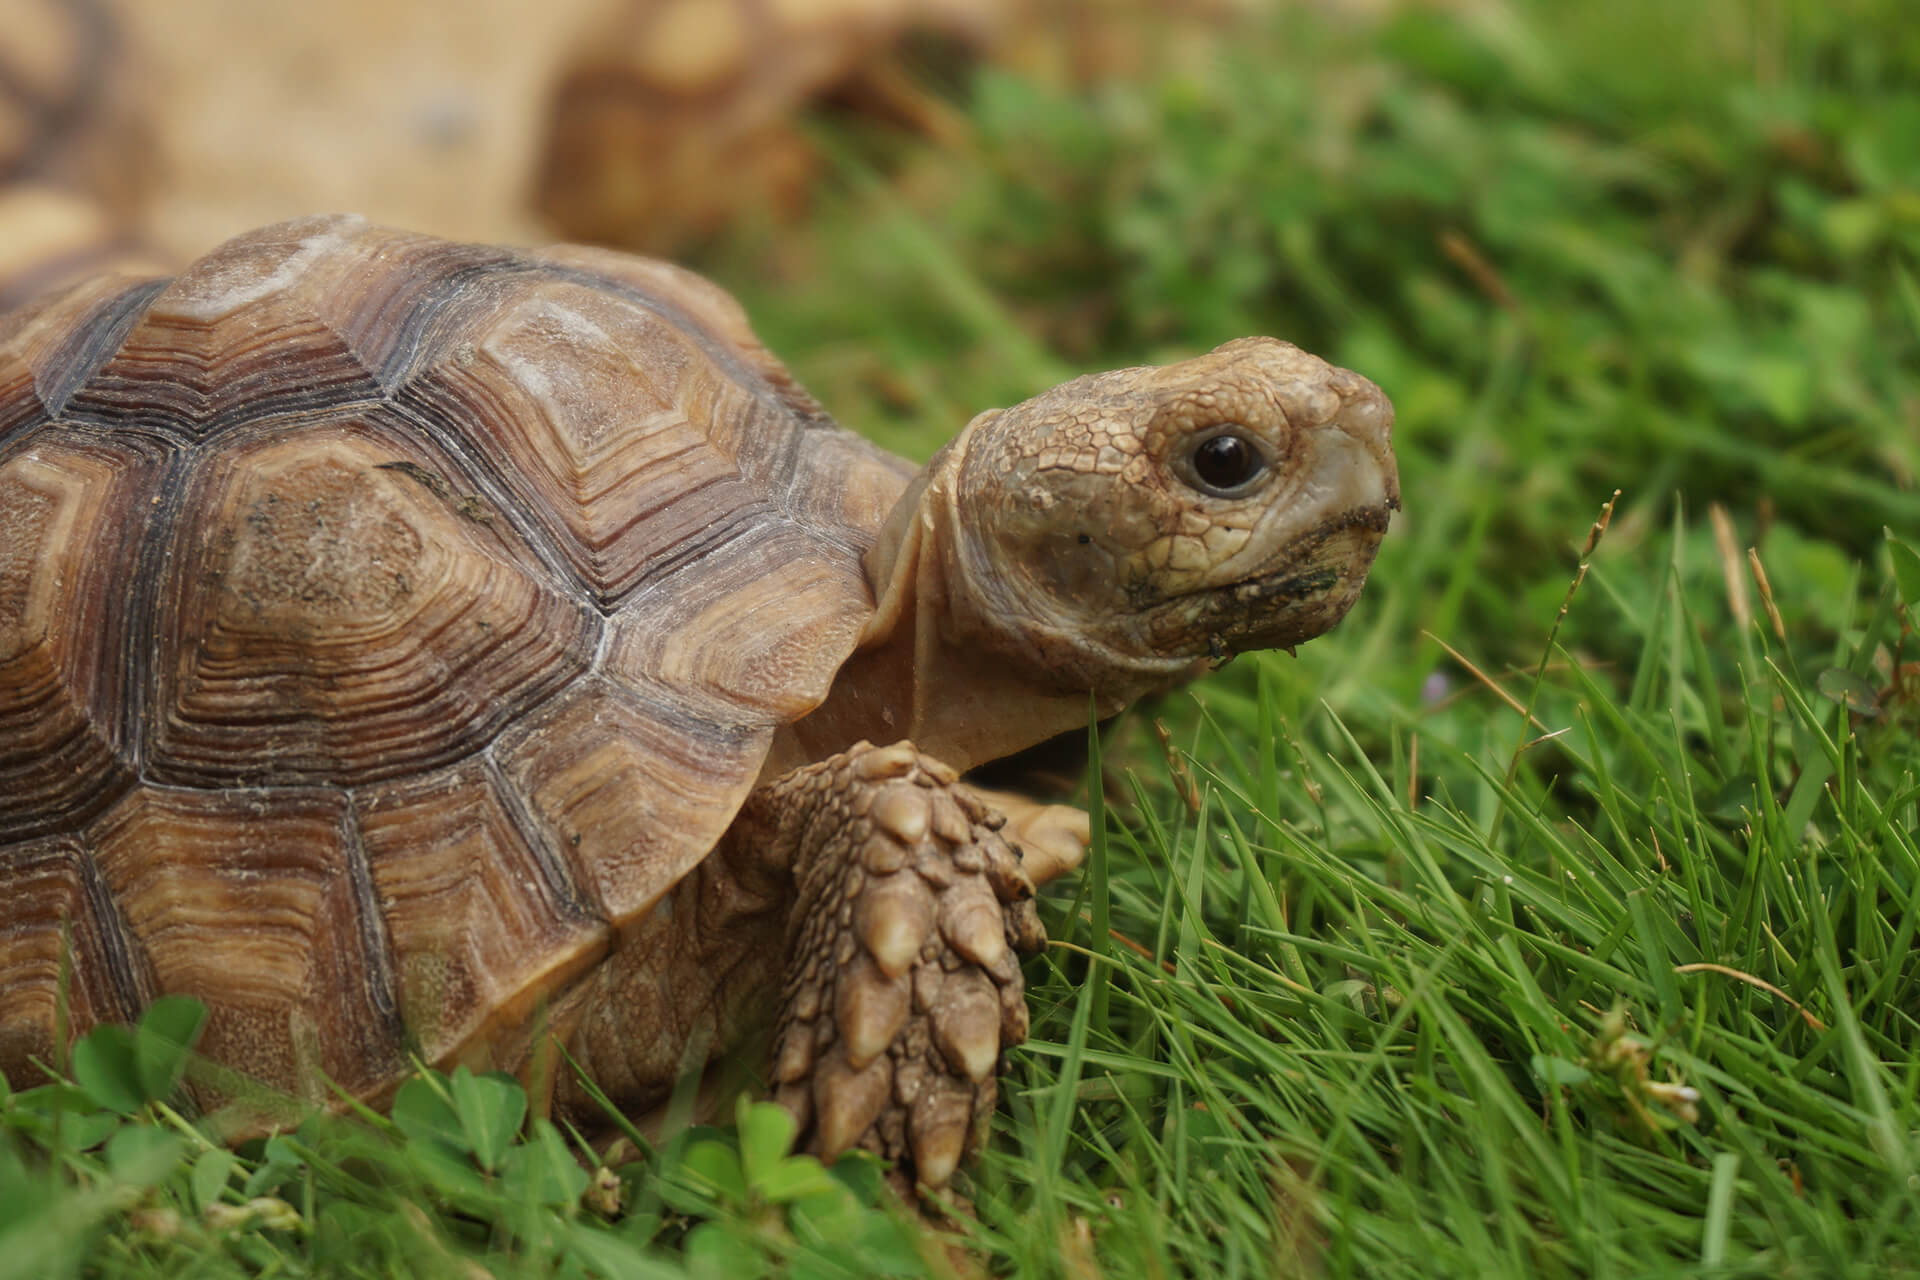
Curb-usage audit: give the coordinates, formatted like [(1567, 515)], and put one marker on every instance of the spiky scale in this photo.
[(927, 982), (797, 1097), (1004, 870), (871, 1009), (910, 1076), (966, 1024), (847, 1100), (795, 1058), (937, 1127), (877, 764), (894, 918), (1013, 1014), (948, 821), (972, 922), (901, 811), (882, 854)]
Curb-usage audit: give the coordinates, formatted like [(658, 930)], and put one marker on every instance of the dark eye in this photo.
[(1226, 463)]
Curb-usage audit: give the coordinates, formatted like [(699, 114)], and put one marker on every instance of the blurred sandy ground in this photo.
[(428, 113), (422, 113)]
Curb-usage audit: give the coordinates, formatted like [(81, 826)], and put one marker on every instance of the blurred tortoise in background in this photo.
[(75, 155), (419, 647), (673, 117)]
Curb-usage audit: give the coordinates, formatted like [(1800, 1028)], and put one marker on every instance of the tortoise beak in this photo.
[(1320, 577)]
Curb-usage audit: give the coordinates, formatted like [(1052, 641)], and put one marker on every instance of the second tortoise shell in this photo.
[(384, 623)]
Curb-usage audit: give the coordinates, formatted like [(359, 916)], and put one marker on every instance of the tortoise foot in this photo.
[(903, 983), (1052, 838)]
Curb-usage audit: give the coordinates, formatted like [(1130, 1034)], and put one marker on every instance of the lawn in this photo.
[(1553, 917)]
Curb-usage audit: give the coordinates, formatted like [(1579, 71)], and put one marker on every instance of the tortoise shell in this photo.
[(386, 622)]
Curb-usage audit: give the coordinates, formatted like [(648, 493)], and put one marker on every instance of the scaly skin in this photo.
[(1063, 551), (1062, 556), (877, 894), (902, 986)]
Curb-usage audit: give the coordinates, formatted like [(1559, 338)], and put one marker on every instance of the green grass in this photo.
[(1369, 975)]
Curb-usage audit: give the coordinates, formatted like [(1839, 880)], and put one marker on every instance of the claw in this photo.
[(1005, 871), (1029, 935), (975, 808)]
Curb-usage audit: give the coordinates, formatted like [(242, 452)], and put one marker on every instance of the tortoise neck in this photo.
[(910, 677)]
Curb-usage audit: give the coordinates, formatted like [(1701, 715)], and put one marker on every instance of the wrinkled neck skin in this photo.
[(921, 671)]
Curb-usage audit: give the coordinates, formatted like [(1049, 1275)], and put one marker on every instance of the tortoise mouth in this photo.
[(1320, 576), (1311, 563)]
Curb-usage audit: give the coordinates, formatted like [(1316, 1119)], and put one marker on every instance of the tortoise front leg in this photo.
[(901, 985)]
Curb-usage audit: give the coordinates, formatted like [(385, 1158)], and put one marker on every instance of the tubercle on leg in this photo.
[(902, 984), (683, 986)]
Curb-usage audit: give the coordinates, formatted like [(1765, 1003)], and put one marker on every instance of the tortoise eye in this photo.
[(1226, 464)]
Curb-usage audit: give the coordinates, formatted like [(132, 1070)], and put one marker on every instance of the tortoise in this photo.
[(75, 153), (411, 647), (672, 117)]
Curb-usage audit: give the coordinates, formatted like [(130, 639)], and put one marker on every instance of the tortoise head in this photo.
[(1114, 531)]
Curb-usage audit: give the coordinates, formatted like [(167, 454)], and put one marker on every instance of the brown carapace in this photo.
[(410, 647)]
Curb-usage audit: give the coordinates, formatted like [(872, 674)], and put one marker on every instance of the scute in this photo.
[(337, 619), (613, 421), (481, 921), (52, 906), (71, 512), (307, 315), (631, 790), (251, 902), (674, 115), (221, 339), (385, 625), (50, 346), (741, 634)]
